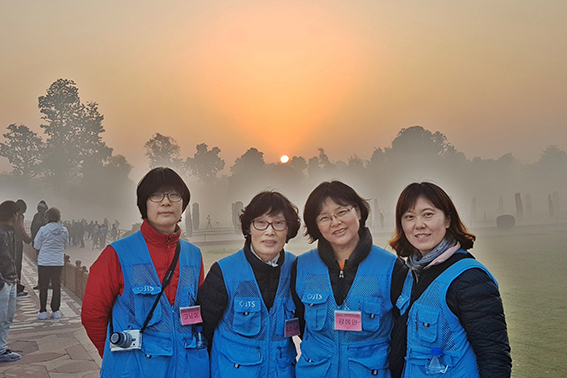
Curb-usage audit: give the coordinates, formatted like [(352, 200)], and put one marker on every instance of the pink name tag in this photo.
[(190, 315), (291, 327), (348, 321)]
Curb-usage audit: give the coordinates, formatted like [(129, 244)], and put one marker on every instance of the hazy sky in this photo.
[(288, 77)]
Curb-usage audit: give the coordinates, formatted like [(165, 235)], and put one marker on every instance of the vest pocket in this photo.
[(247, 319), (286, 361), (154, 344), (119, 365), (371, 314), (285, 310), (187, 296), (144, 298), (240, 360), (368, 361), (196, 363), (315, 309), (427, 326), (312, 367), (418, 371)]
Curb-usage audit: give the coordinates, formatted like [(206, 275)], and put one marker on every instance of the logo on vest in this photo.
[(314, 296), (246, 304)]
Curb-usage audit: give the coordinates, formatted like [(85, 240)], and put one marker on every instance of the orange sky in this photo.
[(290, 77)]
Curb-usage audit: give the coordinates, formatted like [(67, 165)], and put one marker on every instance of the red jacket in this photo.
[(106, 282)]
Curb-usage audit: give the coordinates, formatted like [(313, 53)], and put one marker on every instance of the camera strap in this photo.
[(164, 284)]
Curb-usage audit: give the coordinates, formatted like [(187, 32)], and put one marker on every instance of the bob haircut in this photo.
[(339, 192), (53, 215), (271, 203), (156, 180), (7, 210), (440, 200)]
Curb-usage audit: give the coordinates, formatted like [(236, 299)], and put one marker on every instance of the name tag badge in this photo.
[(190, 315), (348, 321), (291, 327)]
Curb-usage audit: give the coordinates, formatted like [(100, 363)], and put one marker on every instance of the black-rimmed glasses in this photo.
[(261, 225), (172, 196)]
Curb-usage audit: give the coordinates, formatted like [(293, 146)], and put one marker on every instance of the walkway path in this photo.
[(49, 348)]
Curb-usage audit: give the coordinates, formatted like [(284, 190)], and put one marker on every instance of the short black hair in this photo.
[(160, 179), (339, 192), (271, 203), (7, 210)]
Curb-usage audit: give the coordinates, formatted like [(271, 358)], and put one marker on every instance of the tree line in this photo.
[(72, 161)]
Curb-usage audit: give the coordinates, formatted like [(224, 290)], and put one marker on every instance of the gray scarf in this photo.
[(416, 261)]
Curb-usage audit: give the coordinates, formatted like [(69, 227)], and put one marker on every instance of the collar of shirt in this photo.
[(273, 262)]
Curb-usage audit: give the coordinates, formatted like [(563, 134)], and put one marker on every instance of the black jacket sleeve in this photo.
[(7, 267), (398, 278), (299, 307), (213, 299), (474, 298)]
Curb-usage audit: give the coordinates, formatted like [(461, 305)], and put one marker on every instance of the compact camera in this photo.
[(126, 340)]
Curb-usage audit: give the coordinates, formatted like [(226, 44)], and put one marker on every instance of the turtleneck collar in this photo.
[(362, 249), (156, 238)]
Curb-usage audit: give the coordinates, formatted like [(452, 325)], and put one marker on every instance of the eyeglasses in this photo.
[(262, 225), (172, 196), (339, 215)]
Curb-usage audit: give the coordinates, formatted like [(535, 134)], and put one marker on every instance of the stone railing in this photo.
[(74, 277)]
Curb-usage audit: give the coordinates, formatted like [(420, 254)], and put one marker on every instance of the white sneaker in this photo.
[(42, 315), (56, 314)]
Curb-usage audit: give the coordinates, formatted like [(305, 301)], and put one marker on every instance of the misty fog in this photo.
[(72, 168)]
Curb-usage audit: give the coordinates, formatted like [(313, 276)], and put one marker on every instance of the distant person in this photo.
[(102, 231), (8, 276), (452, 321), (21, 238), (96, 235), (345, 290), (39, 219), (81, 233), (145, 286), (209, 225), (114, 232), (89, 229), (245, 298), (51, 240)]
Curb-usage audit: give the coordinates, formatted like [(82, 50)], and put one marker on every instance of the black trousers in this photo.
[(49, 274)]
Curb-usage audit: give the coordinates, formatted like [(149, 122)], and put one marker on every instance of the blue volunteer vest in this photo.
[(330, 353), (168, 347), (432, 325), (249, 340)]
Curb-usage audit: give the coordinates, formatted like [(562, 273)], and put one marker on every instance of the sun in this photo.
[(284, 159)]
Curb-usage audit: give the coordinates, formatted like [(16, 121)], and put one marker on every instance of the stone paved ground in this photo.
[(49, 348)]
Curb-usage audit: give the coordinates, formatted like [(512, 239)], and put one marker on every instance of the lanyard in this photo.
[(164, 284)]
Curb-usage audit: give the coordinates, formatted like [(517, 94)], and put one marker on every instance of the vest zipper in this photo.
[(341, 274)]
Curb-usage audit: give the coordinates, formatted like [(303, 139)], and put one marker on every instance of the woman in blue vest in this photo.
[(247, 309), (139, 304), (453, 321), (345, 290)]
